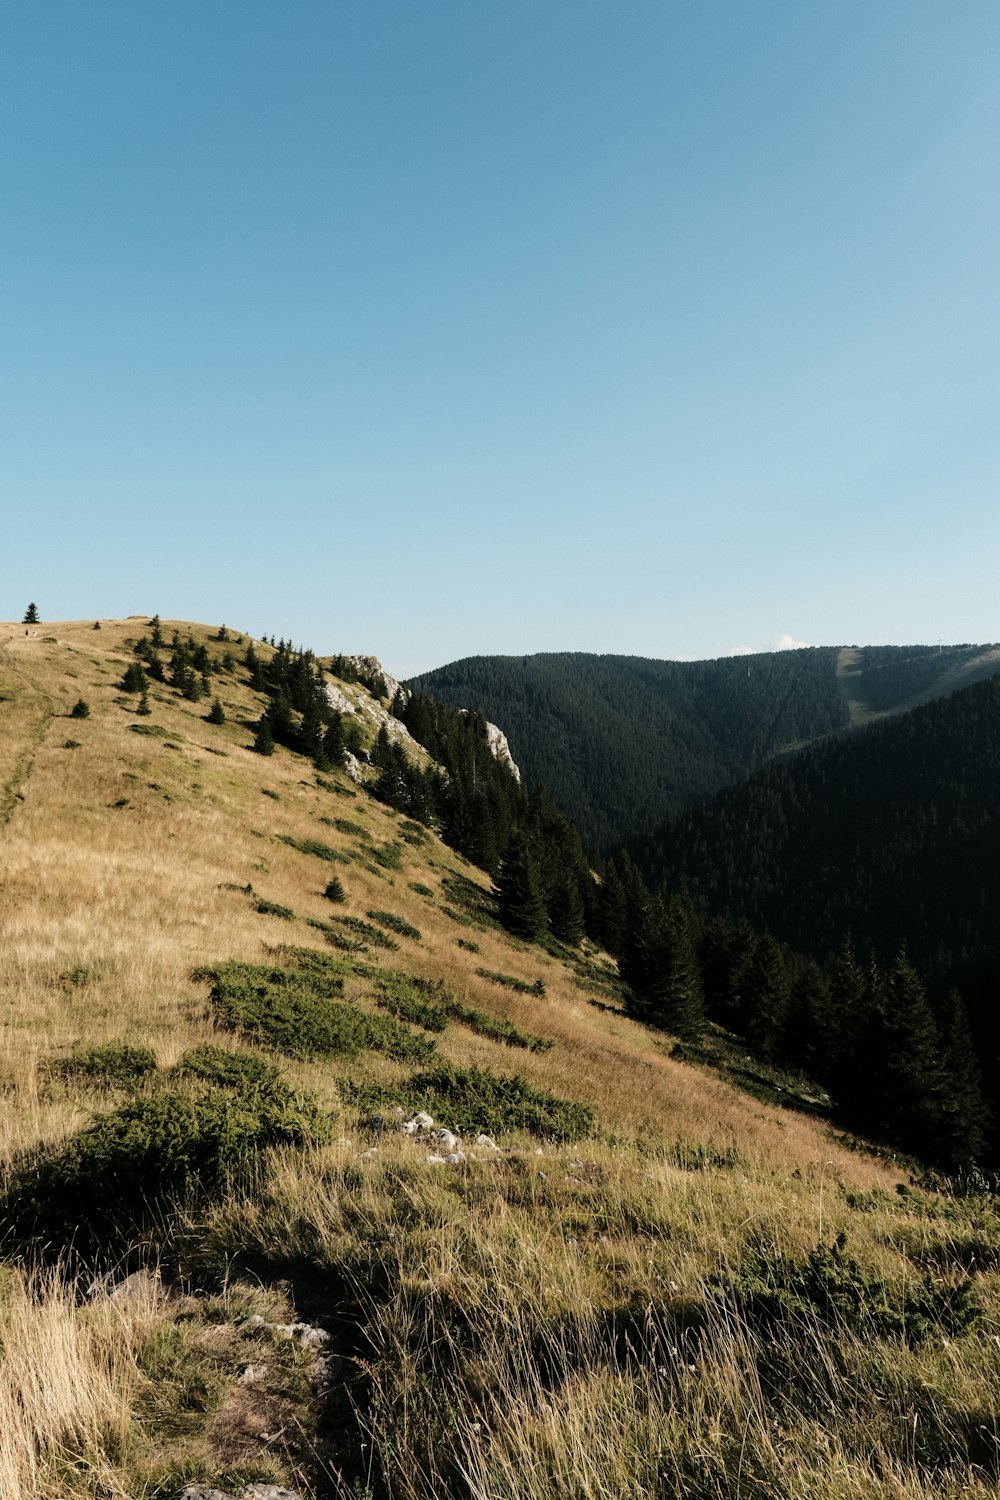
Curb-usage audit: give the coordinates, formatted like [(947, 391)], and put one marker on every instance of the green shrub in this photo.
[(495, 1029), (414, 833), (94, 1194), (775, 1293), (412, 1000), (388, 856), (344, 825), (366, 932), (71, 744), (336, 938), (395, 924), (115, 1065), (469, 947), (235, 1070), (311, 846), (154, 730), (294, 1012), (80, 709), (273, 909), (475, 1099), (419, 888), (509, 982)]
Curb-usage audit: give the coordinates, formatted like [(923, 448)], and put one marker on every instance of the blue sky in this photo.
[(450, 328)]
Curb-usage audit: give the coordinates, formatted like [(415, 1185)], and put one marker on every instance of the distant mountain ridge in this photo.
[(623, 743)]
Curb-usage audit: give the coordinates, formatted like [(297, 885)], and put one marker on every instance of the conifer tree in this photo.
[(263, 741), (566, 910), (30, 615), (134, 680), (156, 639), (662, 971), (142, 707), (965, 1120), (216, 714), (521, 907)]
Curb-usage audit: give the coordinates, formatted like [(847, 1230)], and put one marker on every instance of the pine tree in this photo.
[(263, 741), (566, 910), (521, 907), (134, 680), (334, 890), (216, 714), (80, 709), (156, 639), (30, 615), (143, 708), (964, 1116), (662, 969)]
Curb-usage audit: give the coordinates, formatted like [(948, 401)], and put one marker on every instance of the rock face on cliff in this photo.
[(497, 741)]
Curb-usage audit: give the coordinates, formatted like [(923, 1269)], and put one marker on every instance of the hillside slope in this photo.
[(638, 1288), (622, 743)]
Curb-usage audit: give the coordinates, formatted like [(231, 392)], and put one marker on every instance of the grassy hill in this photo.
[(623, 742), (224, 1260)]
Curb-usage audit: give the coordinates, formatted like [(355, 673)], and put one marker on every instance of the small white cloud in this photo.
[(782, 643)]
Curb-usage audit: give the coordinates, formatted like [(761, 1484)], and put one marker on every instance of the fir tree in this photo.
[(216, 714), (521, 907), (263, 741), (334, 890), (156, 639), (134, 680), (566, 911), (30, 615), (143, 708), (80, 709)]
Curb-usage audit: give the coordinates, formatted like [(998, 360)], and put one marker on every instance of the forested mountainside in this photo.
[(888, 835), (622, 743)]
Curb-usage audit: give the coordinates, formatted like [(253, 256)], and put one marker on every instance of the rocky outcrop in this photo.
[(497, 741), (359, 704)]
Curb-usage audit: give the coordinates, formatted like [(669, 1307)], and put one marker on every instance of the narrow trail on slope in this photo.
[(849, 675), (25, 714)]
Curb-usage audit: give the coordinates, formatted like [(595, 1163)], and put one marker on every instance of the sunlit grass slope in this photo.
[(645, 1296)]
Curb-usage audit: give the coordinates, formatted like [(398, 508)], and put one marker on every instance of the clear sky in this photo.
[(433, 328)]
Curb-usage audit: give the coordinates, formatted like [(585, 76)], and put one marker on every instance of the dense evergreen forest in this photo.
[(623, 743)]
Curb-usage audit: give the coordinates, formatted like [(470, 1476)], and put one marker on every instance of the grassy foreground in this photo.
[(223, 1259)]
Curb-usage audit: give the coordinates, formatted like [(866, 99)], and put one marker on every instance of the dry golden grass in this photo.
[(114, 858)]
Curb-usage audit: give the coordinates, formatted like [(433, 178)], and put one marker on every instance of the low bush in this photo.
[(495, 1029), (419, 888), (344, 825), (273, 909), (395, 924), (474, 1099), (414, 833), (509, 982), (94, 1194), (336, 938), (311, 846), (776, 1293), (295, 1012), (116, 1065), (388, 856), (469, 946), (413, 1000), (153, 730), (366, 932)]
